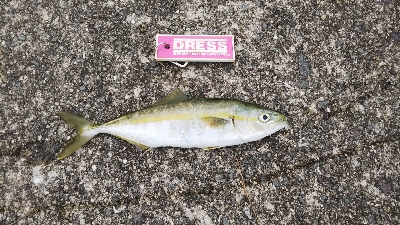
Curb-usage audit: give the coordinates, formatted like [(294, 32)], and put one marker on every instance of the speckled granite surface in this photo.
[(332, 67)]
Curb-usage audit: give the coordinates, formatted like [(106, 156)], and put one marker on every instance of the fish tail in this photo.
[(84, 130)]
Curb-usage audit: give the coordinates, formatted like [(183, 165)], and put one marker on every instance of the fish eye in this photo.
[(264, 117)]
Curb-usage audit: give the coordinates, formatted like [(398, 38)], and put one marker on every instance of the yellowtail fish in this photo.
[(181, 121)]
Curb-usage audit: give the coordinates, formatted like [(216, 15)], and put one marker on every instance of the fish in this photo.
[(181, 121)]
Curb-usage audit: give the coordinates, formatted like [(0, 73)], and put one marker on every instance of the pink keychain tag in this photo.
[(195, 48)]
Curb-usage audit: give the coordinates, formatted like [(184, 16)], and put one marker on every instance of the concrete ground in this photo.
[(331, 66)]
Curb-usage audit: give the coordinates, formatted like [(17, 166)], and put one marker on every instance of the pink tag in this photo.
[(195, 48)]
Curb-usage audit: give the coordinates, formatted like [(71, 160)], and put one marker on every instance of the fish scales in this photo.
[(180, 124), (180, 121)]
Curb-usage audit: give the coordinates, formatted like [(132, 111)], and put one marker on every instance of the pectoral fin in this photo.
[(215, 121)]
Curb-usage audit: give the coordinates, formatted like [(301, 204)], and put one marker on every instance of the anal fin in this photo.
[(139, 145), (211, 148)]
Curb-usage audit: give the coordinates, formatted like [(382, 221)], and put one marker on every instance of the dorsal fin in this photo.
[(174, 96)]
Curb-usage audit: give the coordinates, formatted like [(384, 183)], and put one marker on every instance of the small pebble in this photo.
[(21, 37)]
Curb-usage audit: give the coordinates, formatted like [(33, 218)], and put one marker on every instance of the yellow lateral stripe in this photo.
[(158, 118)]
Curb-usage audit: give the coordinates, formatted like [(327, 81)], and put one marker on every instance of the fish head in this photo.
[(257, 122)]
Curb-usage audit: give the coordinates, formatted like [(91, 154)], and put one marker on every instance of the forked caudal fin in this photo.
[(82, 127)]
